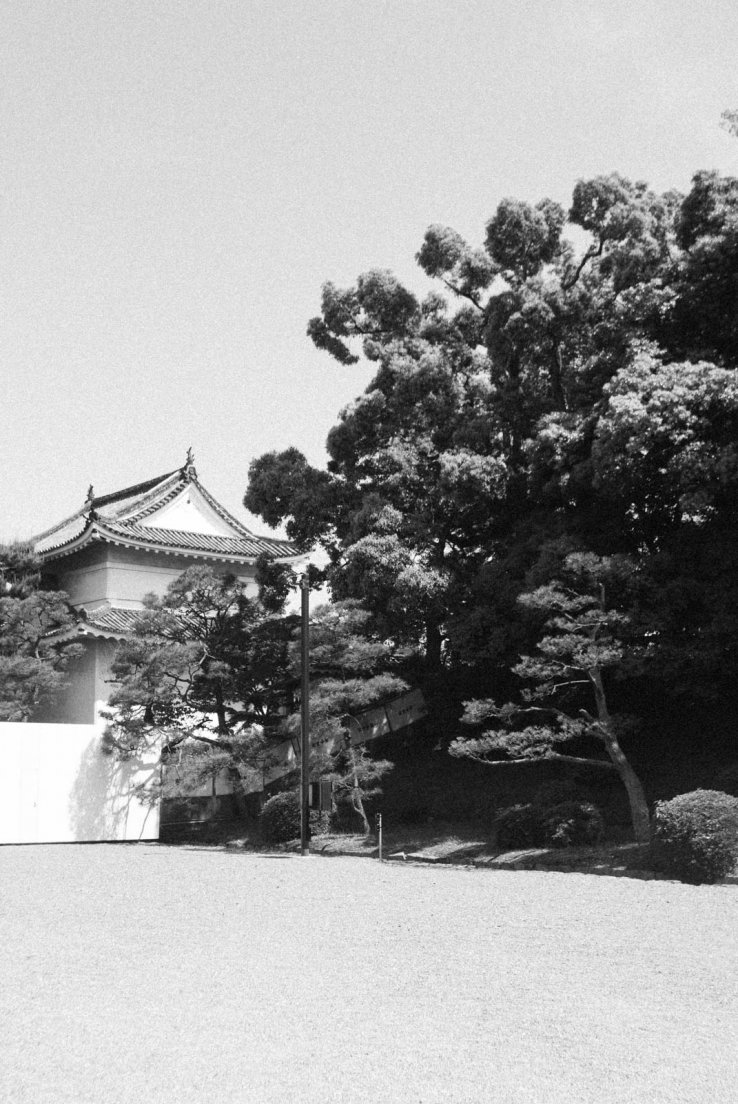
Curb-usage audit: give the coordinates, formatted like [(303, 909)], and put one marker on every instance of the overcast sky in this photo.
[(181, 176)]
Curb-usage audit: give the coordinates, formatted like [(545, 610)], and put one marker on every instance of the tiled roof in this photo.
[(118, 517), (109, 619), (67, 530), (202, 542), (106, 621)]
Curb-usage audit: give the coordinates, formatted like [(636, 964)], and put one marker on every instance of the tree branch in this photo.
[(553, 757), (590, 255), (462, 294)]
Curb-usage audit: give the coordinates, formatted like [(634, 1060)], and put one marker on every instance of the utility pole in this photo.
[(305, 717)]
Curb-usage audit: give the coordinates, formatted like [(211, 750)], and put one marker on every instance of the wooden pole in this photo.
[(305, 719)]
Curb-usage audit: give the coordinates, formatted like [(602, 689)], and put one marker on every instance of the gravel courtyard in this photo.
[(150, 974)]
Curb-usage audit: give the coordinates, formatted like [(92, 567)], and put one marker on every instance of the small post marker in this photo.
[(379, 833)]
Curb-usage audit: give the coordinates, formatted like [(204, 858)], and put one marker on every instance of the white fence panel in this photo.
[(57, 786)]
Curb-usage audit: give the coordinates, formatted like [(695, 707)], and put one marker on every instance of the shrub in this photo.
[(567, 824), (520, 826), (695, 836), (279, 820), (321, 822), (573, 824)]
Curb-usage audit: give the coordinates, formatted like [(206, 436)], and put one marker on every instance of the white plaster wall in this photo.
[(86, 585), (131, 575), (57, 786), (124, 576)]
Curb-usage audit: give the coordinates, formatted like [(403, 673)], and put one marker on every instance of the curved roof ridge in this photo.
[(104, 500), (146, 489)]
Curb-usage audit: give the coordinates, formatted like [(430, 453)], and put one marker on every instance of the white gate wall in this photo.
[(57, 786)]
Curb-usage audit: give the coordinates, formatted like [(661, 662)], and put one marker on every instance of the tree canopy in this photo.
[(34, 655), (203, 674), (549, 390), (351, 671)]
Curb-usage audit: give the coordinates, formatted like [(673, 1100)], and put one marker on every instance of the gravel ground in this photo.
[(150, 974)]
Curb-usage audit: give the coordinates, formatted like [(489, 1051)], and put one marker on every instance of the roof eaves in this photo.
[(116, 533), (71, 544), (60, 525)]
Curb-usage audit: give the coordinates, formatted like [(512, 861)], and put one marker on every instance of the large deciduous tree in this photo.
[(546, 392), (34, 655), (429, 471)]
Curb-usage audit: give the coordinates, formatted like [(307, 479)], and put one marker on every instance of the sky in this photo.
[(179, 178)]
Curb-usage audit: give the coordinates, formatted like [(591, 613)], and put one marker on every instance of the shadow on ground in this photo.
[(454, 845)]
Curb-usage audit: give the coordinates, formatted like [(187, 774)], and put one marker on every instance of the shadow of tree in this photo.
[(103, 795)]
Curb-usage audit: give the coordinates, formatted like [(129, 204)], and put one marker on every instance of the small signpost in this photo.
[(378, 819)]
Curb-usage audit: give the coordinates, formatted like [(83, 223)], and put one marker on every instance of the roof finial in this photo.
[(189, 465), (90, 493)]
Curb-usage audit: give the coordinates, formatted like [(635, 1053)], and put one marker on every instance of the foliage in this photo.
[(279, 820), (586, 630), (351, 671), (549, 390), (538, 824), (573, 824), (695, 836), (550, 396), (520, 826), (204, 673), (34, 656)]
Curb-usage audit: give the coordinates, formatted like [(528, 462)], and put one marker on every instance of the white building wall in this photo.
[(57, 786), (108, 574)]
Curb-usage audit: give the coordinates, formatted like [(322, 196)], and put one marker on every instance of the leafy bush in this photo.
[(279, 820), (566, 824), (321, 822), (695, 836), (573, 824), (520, 826)]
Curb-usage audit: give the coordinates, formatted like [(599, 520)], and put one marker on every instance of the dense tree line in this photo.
[(546, 406), (533, 503)]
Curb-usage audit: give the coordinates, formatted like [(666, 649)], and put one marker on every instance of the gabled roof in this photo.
[(172, 513)]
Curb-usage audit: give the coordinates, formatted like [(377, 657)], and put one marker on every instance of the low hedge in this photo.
[(694, 837)]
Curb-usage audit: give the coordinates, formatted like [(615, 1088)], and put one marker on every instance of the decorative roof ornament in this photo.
[(189, 465), (89, 505)]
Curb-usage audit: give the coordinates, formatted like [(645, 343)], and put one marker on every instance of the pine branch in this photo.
[(554, 756)]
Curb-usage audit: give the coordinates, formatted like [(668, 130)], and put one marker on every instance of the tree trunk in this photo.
[(213, 798), (638, 805), (556, 376), (356, 797), (433, 641)]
